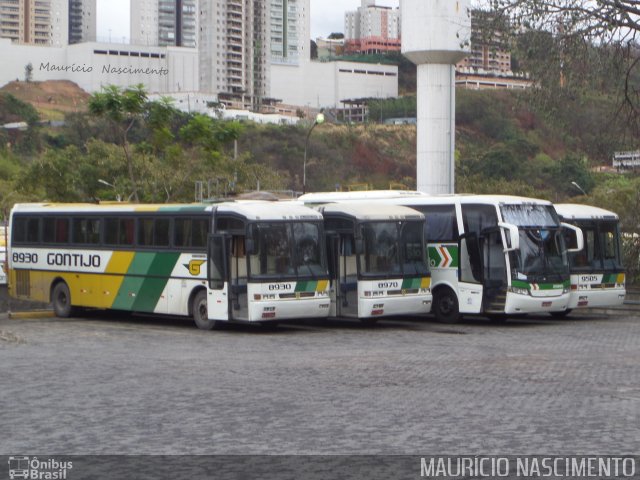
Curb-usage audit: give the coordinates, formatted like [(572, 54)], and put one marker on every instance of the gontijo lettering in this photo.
[(73, 260)]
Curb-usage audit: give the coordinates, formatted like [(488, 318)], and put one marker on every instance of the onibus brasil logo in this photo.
[(32, 468)]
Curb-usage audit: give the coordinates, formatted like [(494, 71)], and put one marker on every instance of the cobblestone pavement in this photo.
[(405, 386)]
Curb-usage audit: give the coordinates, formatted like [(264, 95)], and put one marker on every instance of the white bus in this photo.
[(489, 254), (597, 274), (235, 261), (377, 261)]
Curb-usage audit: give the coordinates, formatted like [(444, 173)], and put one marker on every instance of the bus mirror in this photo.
[(359, 245), (512, 236), (575, 237)]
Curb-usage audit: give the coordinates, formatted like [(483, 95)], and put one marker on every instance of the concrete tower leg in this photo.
[(435, 171)]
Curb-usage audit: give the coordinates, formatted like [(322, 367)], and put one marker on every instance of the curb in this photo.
[(32, 314)]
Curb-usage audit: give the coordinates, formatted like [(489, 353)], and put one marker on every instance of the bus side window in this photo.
[(145, 231), (86, 231), (161, 232), (182, 233), (200, 232), (19, 233), (33, 230), (55, 230), (111, 231)]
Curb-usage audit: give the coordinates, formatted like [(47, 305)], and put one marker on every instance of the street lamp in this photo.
[(319, 119), (579, 187), (104, 182)]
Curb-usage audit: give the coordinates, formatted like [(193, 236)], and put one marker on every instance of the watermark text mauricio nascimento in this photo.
[(601, 467), (106, 69)]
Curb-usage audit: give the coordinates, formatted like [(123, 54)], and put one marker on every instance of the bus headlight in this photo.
[(519, 290)]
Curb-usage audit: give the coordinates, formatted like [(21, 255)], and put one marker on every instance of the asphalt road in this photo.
[(137, 385)]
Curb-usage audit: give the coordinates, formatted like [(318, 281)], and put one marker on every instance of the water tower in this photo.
[(435, 36)]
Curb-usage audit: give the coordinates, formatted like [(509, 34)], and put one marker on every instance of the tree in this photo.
[(123, 108), (28, 72), (565, 33)]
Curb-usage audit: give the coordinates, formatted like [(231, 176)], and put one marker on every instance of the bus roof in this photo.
[(250, 209), (328, 197), (265, 210), (365, 211), (409, 197), (574, 211)]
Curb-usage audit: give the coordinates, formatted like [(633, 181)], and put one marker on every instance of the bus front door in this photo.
[(494, 271), (218, 306), (347, 278), (238, 280), (470, 285)]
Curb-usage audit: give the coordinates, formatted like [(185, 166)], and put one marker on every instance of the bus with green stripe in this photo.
[(493, 255), (597, 274), (239, 261), (377, 261)]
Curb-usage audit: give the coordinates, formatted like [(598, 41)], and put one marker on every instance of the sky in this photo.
[(327, 16)]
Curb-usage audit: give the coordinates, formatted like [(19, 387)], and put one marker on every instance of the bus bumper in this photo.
[(517, 303), (390, 306), (283, 310), (611, 297)]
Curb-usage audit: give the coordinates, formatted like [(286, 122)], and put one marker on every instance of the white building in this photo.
[(94, 65), (626, 160), (327, 84)]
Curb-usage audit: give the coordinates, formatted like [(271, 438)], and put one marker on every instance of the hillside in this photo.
[(52, 99)]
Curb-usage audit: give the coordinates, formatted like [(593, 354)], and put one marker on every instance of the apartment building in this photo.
[(240, 39), (372, 29), (164, 23), (82, 21), (35, 22), (289, 30), (489, 49)]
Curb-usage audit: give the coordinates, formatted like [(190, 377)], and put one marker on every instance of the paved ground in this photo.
[(144, 385)]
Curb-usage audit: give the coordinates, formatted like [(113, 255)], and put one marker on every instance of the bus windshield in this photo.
[(601, 247), (393, 248), (530, 215), (287, 250), (542, 256)]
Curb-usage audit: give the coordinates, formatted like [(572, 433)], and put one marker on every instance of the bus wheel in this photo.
[(61, 300), (445, 306), (199, 309), (560, 314)]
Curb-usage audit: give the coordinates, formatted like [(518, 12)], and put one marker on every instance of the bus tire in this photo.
[(199, 311), (445, 306), (61, 300), (562, 314)]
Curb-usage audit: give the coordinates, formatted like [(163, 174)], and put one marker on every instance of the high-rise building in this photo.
[(240, 39), (488, 45), (36, 22), (372, 29), (164, 22), (289, 29), (82, 21)]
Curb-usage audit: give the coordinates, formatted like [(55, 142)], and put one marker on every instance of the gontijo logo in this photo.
[(32, 468), (194, 267)]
